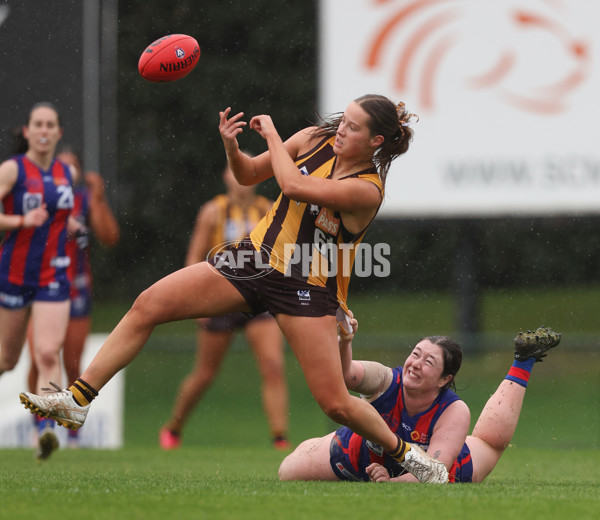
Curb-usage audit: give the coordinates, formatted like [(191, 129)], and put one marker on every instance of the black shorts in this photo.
[(266, 289), (231, 322)]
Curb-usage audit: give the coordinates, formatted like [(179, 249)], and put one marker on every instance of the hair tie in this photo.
[(410, 120)]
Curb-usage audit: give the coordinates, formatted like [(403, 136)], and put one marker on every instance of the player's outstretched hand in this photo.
[(229, 128), (263, 125)]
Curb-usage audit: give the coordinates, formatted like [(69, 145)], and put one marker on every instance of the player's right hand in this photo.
[(35, 217)]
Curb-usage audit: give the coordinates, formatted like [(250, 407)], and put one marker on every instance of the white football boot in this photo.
[(59, 406), (424, 466)]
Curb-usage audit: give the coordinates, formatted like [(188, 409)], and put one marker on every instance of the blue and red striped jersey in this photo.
[(37, 256)]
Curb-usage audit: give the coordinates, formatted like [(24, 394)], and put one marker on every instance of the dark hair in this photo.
[(19, 143), (386, 119), (44, 104), (452, 357)]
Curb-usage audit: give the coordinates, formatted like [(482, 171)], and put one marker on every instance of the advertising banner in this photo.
[(505, 90)]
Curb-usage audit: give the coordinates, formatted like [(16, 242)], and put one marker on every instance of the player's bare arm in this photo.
[(450, 433), (203, 228)]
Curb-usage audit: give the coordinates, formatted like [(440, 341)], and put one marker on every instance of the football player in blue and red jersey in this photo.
[(36, 192), (92, 210), (418, 402)]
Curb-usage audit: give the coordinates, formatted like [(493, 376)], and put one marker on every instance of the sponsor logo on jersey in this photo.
[(421, 438), (327, 222), (31, 201)]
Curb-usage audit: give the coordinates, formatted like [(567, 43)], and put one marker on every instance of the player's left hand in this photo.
[(377, 473), (347, 324), (263, 125)]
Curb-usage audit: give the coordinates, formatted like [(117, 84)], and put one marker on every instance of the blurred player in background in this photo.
[(37, 196), (226, 218), (296, 264), (419, 402), (92, 210)]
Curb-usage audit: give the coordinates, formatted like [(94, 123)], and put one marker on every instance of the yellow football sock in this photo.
[(401, 450), (83, 393)]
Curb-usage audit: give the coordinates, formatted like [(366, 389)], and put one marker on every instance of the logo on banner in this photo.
[(523, 53)]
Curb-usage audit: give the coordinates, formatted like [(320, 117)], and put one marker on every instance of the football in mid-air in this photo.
[(169, 58)]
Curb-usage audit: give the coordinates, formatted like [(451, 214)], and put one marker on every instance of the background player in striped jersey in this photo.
[(92, 210), (417, 401), (231, 217), (332, 178), (37, 196)]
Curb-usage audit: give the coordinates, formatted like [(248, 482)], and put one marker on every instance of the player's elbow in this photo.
[(291, 188)]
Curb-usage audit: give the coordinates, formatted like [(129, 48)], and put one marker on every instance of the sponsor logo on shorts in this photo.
[(304, 296), (375, 448), (345, 472), (10, 300)]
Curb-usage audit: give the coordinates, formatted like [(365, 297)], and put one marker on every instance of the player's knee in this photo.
[(201, 379), (145, 308), (336, 410), (291, 468), (284, 472), (9, 355), (143, 301), (271, 370), (47, 356), (8, 364)]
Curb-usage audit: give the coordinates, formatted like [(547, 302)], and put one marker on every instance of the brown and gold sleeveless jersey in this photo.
[(307, 241)]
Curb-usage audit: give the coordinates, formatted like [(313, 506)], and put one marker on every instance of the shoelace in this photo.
[(421, 467), (56, 388)]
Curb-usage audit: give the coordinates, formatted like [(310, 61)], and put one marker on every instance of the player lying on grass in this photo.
[(417, 402)]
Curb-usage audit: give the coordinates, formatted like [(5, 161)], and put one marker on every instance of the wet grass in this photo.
[(572, 310), (226, 468)]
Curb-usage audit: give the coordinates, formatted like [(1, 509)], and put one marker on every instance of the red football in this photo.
[(169, 58)]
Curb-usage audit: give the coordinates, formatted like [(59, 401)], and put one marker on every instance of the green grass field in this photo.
[(572, 310), (227, 469)]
